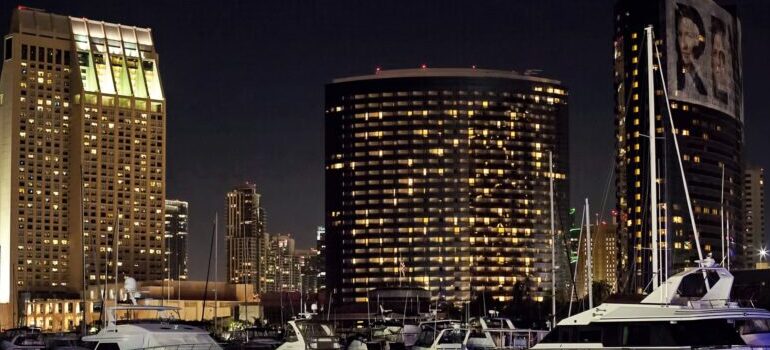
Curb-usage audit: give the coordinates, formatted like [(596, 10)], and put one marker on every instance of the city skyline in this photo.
[(201, 175)]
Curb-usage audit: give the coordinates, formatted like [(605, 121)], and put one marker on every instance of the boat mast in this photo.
[(577, 264), (722, 214), (216, 270), (727, 229), (83, 250), (117, 245), (653, 165), (681, 170), (553, 243), (589, 260)]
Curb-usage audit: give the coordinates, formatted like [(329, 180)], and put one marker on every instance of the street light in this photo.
[(762, 254)]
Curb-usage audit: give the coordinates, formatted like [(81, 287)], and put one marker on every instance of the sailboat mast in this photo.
[(589, 259), (216, 269), (117, 246), (722, 214), (653, 165), (727, 229), (83, 251), (681, 168), (553, 243)]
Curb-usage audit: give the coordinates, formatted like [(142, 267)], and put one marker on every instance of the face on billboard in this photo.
[(702, 58), (721, 66)]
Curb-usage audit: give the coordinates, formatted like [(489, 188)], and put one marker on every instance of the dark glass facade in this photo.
[(438, 178), (709, 140), (177, 223)]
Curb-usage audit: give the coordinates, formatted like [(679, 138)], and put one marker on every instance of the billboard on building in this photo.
[(704, 59)]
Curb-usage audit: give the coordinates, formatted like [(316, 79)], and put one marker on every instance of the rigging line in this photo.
[(610, 176), (681, 167), (206, 286), (577, 262)]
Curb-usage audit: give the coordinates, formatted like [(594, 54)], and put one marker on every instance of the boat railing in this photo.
[(198, 346), (720, 303), (515, 339)]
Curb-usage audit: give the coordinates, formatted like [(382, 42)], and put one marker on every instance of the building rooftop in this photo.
[(445, 72)]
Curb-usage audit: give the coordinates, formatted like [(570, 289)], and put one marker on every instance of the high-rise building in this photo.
[(604, 263), (305, 270), (699, 45), (439, 178), (177, 223), (754, 239), (246, 239), (320, 259), (282, 274), (82, 156)]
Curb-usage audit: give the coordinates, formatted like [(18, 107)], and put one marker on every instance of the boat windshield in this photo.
[(262, 332), (128, 316), (452, 336), (754, 326), (314, 330)]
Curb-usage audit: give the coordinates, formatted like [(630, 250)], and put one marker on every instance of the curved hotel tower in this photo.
[(439, 178)]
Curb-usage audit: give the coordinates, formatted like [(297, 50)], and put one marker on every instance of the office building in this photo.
[(82, 156), (246, 239), (699, 45), (305, 270), (439, 178), (177, 223), (320, 259), (282, 274), (754, 235), (604, 263)]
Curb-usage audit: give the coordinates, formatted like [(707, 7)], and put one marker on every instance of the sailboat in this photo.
[(691, 309)]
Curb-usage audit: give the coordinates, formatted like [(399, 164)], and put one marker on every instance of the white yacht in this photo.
[(499, 333), (451, 338), (680, 314), (131, 326), (307, 334), (25, 338), (430, 332)]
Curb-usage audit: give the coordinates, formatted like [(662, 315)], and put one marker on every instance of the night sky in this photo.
[(244, 83)]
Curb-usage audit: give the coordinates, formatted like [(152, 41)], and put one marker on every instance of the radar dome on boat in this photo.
[(130, 285)]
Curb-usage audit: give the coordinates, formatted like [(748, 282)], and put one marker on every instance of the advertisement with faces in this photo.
[(704, 63)]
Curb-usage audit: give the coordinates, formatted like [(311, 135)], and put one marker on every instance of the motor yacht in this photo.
[(133, 326), (25, 338), (308, 334), (430, 332), (495, 332), (681, 313)]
